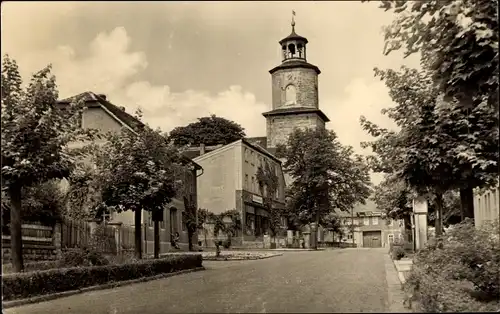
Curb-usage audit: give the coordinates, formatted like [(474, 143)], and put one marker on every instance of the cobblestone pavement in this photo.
[(343, 280)]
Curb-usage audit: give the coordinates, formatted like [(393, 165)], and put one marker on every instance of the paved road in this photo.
[(348, 280)]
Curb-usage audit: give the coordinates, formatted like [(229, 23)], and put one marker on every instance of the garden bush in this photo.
[(459, 272), (82, 257), (398, 252), (25, 285)]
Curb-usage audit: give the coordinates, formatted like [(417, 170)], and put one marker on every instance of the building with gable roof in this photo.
[(102, 115)]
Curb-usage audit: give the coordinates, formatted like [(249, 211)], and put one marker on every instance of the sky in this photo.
[(178, 61)]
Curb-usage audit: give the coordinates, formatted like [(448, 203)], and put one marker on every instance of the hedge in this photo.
[(25, 285), (458, 272)]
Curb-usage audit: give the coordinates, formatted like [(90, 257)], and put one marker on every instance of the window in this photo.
[(391, 238), (162, 223), (246, 182), (349, 236), (290, 95), (253, 184), (250, 224), (391, 222), (375, 220), (245, 154), (150, 218), (355, 221), (366, 221)]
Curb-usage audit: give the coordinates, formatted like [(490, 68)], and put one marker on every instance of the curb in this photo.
[(241, 259), (395, 292), (401, 277), (53, 296)]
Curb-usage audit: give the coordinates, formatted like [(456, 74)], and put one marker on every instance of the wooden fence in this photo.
[(78, 234), (74, 234), (127, 238)]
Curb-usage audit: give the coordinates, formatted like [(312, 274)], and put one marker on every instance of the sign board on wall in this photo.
[(257, 199)]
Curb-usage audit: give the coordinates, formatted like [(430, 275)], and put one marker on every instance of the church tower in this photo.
[(295, 101)]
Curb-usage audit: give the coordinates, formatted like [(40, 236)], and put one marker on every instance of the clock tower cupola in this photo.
[(295, 101)]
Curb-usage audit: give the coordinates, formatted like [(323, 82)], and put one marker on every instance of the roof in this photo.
[(260, 140), (295, 110), (293, 36), (195, 151), (121, 114), (257, 147), (261, 150), (295, 64), (124, 117)]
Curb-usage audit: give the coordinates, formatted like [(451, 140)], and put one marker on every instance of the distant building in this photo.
[(371, 229), (105, 116), (229, 181), (486, 206)]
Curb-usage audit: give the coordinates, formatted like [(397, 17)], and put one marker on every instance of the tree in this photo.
[(82, 197), (192, 223), (211, 130), (268, 185), (43, 202), (393, 196), (138, 171), (432, 152), (326, 175), (35, 134), (332, 222), (458, 43), (202, 216)]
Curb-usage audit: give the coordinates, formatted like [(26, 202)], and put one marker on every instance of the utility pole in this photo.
[(352, 225)]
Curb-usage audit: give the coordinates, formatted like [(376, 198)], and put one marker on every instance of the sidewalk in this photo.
[(395, 292)]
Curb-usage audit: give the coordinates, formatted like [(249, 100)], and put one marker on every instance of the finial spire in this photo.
[(293, 21)]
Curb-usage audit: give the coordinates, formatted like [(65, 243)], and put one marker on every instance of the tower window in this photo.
[(290, 95), (300, 50), (291, 49)]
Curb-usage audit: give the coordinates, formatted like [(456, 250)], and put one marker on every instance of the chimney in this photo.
[(202, 149), (103, 96)]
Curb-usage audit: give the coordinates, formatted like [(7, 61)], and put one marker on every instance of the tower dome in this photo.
[(293, 46)]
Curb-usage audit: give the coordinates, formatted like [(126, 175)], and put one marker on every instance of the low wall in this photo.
[(337, 244), (39, 244)]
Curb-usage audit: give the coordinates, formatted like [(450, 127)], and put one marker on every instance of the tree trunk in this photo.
[(467, 203), (157, 239), (314, 234), (205, 236), (138, 232), (190, 240), (439, 215), (16, 240)]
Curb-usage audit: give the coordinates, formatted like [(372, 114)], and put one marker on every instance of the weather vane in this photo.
[(293, 20)]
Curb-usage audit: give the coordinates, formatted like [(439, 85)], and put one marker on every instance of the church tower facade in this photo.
[(295, 102)]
